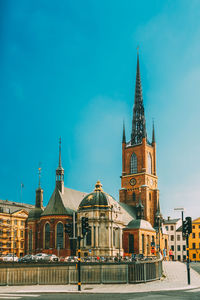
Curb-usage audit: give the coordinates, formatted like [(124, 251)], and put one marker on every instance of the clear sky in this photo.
[(67, 68)]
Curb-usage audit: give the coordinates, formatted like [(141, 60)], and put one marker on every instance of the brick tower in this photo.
[(139, 178)]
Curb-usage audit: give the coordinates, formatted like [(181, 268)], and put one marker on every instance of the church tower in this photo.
[(139, 179)]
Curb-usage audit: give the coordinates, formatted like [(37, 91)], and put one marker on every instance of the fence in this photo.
[(91, 273)]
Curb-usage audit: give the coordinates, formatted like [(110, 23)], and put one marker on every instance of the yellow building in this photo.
[(194, 241), (13, 217)]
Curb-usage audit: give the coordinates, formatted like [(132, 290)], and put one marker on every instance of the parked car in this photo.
[(51, 258), (40, 256), (28, 258), (10, 257), (71, 259)]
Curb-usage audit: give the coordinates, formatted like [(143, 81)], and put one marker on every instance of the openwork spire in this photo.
[(60, 165), (138, 123), (124, 135)]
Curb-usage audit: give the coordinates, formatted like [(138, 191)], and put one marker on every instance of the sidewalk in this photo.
[(176, 279)]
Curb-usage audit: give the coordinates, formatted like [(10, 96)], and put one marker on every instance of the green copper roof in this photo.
[(56, 206), (35, 214), (97, 200)]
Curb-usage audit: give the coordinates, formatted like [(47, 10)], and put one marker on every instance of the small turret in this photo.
[(140, 209), (60, 172), (124, 134), (39, 193)]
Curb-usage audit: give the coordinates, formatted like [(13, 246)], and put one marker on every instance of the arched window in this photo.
[(30, 242), (59, 236), (149, 163), (47, 236), (134, 196), (133, 163), (113, 237), (88, 238)]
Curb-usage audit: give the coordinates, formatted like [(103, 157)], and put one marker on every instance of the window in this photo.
[(94, 236), (8, 221), (8, 245), (59, 236), (178, 248), (171, 227), (194, 255), (131, 243), (133, 163), (15, 233), (178, 237), (172, 247), (167, 228), (193, 226), (149, 163), (47, 236), (149, 196), (193, 235), (8, 233), (199, 226), (184, 248), (193, 245), (15, 222), (1, 244), (143, 243), (88, 238), (22, 223), (1, 221), (199, 245), (184, 257), (113, 237), (15, 245), (172, 237), (134, 197), (199, 235), (22, 234), (1, 232), (22, 245), (30, 237)]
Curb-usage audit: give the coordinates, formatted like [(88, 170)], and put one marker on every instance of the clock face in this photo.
[(132, 181)]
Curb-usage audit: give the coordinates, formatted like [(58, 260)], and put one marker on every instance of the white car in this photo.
[(51, 258), (10, 257), (40, 256)]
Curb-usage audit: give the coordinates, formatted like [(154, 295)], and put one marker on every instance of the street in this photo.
[(188, 294)]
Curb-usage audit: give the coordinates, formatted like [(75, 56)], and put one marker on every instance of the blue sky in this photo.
[(67, 68)]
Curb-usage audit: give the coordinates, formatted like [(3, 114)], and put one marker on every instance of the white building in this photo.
[(176, 242)]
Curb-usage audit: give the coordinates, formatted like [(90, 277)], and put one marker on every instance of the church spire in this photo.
[(153, 134), (138, 123), (60, 172), (124, 134)]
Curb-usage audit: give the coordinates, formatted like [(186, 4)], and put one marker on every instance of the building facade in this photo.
[(13, 218), (194, 241), (177, 243)]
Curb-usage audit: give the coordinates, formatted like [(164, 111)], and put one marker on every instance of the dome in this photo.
[(98, 199), (140, 224), (34, 213)]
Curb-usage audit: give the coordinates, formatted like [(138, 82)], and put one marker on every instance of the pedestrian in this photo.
[(170, 254), (164, 254)]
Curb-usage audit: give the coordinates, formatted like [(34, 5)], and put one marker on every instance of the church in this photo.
[(132, 225)]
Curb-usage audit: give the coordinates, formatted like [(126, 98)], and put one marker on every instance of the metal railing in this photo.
[(91, 273)]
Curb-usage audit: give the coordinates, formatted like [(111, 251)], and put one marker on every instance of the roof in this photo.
[(140, 224), (10, 207), (35, 213), (63, 204), (131, 210), (179, 229), (170, 221)]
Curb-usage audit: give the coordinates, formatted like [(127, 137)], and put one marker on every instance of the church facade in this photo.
[(117, 228)]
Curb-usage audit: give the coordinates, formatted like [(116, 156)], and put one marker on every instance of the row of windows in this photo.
[(194, 235), (194, 255), (134, 167), (15, 233), (194, 226), (16, 222), (179, 248), (194, 245), (178, 237)]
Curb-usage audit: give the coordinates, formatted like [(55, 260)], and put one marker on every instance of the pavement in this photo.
[(175, 278)]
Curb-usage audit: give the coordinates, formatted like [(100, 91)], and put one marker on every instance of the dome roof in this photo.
[(98, 199), (140, 224), (34, 213)]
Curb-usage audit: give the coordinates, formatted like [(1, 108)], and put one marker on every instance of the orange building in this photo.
[(194, 241)]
